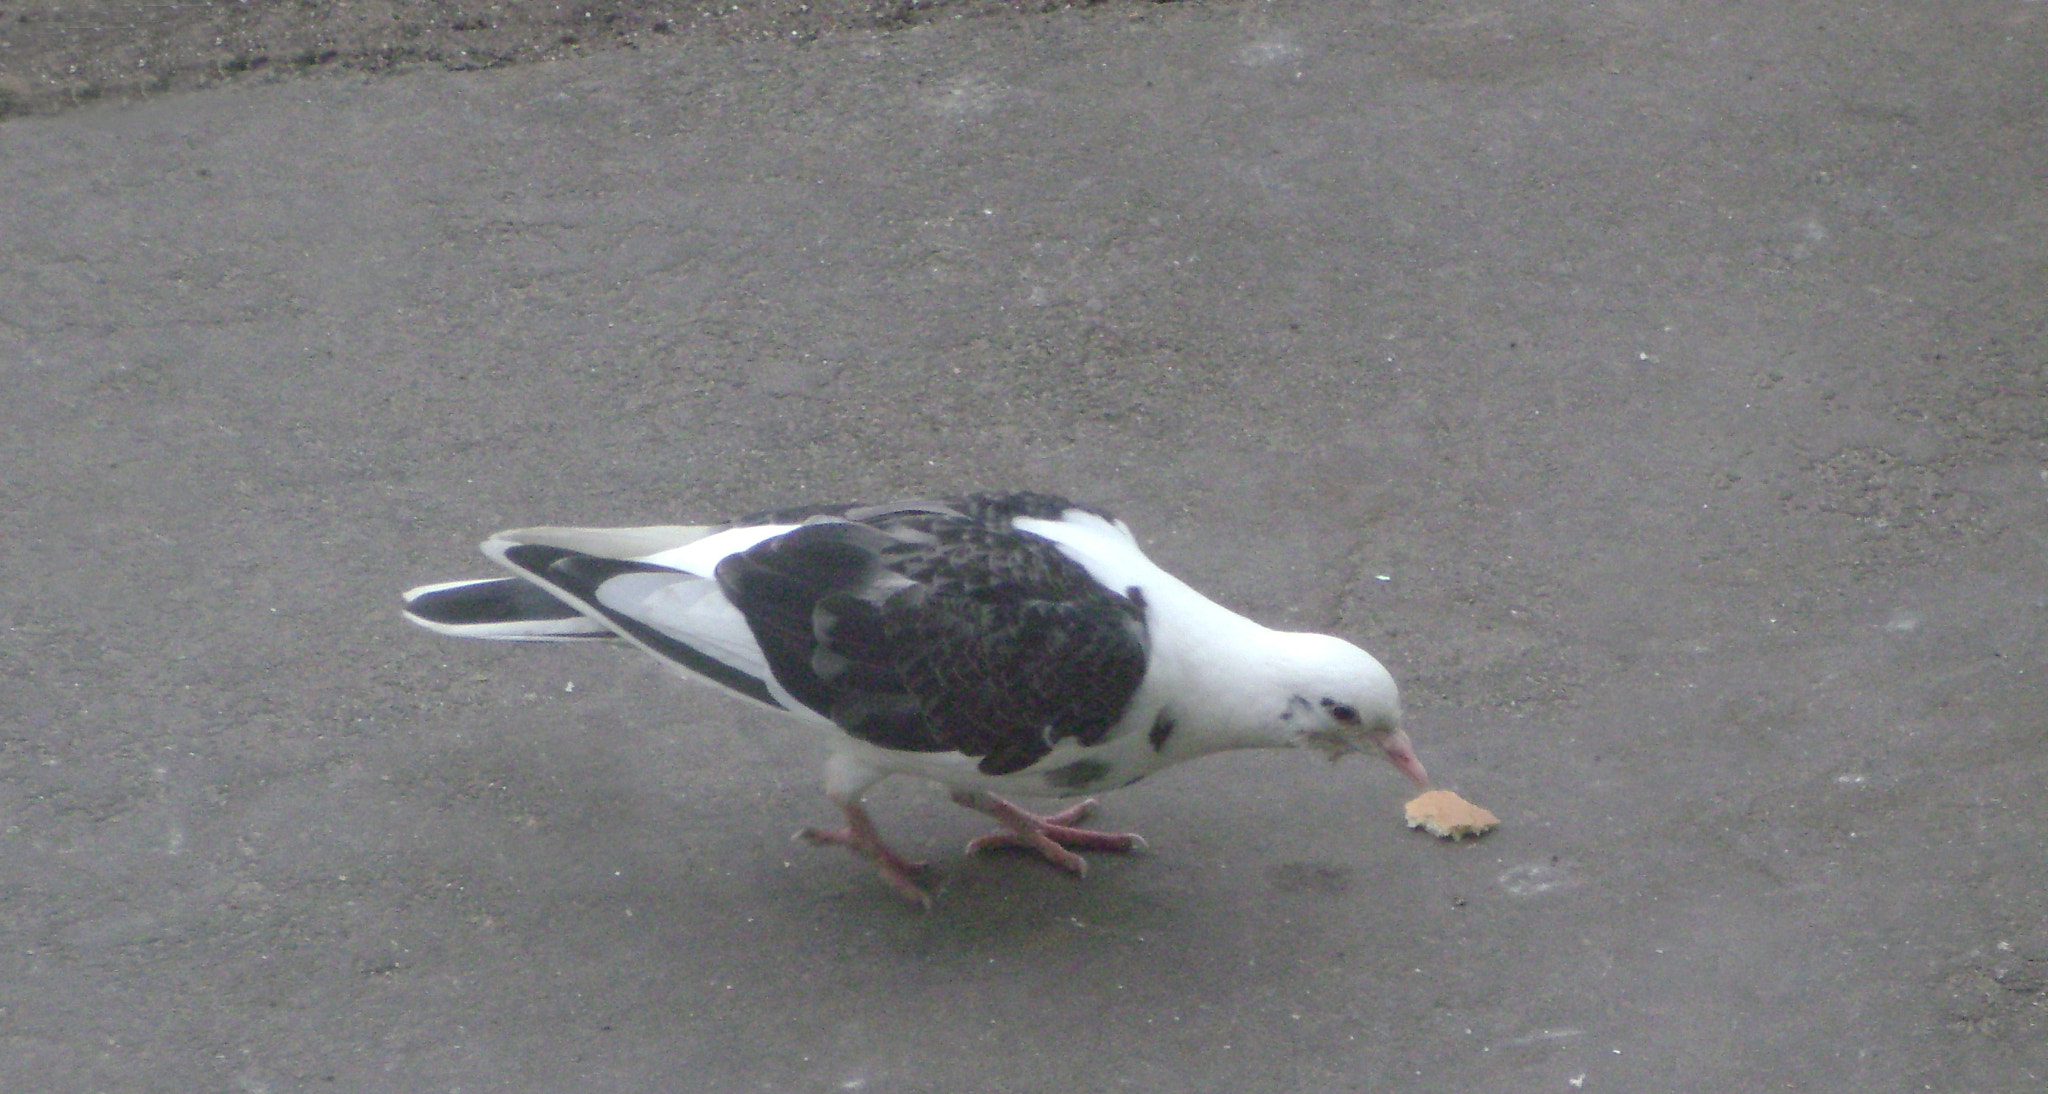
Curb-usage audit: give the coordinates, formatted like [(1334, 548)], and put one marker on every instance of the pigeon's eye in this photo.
[(1344, 713)]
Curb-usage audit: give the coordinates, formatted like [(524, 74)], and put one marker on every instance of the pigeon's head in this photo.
[(1342, 700)]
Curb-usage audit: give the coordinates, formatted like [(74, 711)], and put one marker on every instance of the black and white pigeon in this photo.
[(998, 644)]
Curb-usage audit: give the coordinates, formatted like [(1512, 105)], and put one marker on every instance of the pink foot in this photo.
[(860, 837), (1051, 835)]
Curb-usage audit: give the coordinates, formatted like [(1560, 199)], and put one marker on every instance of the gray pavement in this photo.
[(1659, 389)]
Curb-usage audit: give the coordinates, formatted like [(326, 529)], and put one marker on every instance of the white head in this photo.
[(1338, 699)]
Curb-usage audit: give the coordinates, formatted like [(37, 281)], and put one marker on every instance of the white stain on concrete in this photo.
[(1269, 49), (1537, 878), (967, 96), (1541, 1036)]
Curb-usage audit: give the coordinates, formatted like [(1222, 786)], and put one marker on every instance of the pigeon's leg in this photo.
[(860, 837), (845, 782), (1052, 835)]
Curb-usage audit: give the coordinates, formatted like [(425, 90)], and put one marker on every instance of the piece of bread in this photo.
[(1442, 813)]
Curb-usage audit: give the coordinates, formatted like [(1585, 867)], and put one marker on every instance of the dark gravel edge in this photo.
[(59, 54)]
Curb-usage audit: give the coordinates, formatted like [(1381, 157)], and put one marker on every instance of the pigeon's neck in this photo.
[(1228, 676), (1220, 679)]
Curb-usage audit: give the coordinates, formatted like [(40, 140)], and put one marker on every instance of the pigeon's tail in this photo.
[(516, 609), (505, 608)]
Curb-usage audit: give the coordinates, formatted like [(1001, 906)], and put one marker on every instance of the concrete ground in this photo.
[(1661, 389)]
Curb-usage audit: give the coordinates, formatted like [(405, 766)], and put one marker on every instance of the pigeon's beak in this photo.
[(1401, 753)]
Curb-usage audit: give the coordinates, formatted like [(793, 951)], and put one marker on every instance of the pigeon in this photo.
[(999, 644)]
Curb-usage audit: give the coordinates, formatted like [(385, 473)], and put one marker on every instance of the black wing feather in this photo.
[(938, 626), (506, 600)]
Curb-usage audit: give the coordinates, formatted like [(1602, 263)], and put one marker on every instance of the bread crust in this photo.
[(1448, 816)]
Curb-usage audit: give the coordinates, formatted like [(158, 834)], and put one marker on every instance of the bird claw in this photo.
[(840, 837), (1044, 846), (1053, 836), (896, 870)]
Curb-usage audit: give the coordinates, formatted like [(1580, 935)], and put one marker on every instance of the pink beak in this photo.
[(1401, 753)]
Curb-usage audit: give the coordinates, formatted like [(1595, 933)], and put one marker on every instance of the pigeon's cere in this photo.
[(998, 644)]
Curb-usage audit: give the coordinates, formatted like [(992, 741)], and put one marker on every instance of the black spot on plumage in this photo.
[(938, 626), (1162, 729)]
